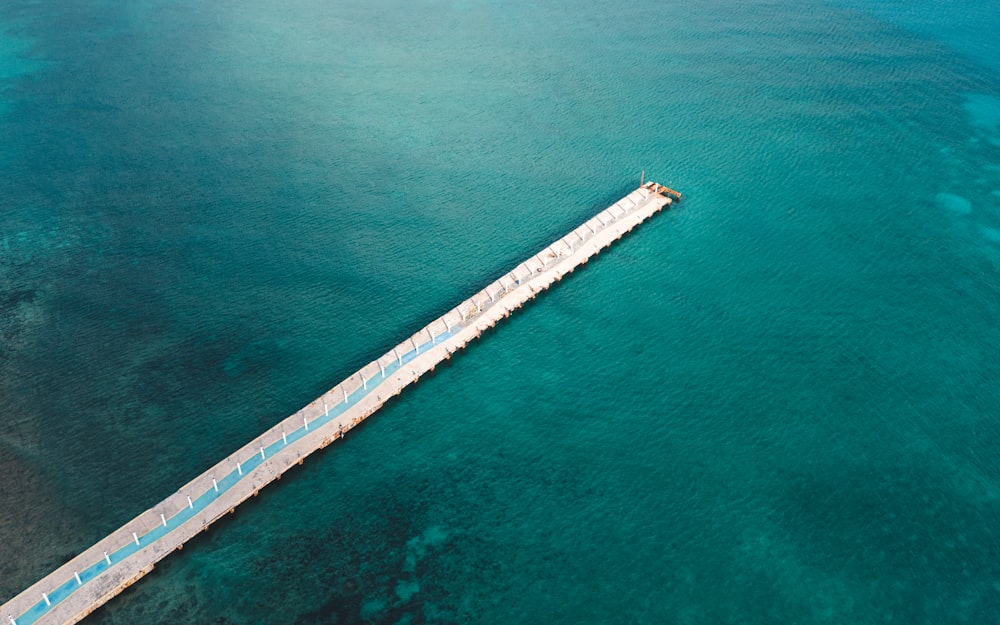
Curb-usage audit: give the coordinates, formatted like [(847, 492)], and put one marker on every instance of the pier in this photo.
[(95, 576)]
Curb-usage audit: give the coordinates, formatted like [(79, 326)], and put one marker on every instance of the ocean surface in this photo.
[(778, 402)]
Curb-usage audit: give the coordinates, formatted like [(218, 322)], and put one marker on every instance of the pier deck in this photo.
[(92, 578)]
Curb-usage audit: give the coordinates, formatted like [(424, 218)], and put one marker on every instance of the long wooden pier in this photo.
[(92, 578)]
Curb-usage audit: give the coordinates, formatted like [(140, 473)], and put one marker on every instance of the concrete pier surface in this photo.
[(92, 578)]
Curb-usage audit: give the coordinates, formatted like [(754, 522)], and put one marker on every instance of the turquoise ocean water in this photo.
[(777, 403)]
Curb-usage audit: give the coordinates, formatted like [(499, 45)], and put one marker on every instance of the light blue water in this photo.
[(775, 403)]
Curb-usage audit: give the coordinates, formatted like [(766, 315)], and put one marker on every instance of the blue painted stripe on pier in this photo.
[(30, 616)]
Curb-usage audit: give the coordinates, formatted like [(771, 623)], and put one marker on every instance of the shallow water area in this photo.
[(773, 403)]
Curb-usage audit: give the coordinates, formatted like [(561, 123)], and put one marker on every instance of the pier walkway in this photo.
[(92, 578)]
